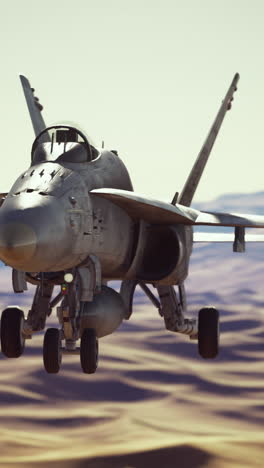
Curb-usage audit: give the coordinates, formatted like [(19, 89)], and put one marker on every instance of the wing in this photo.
[(159, 212), (224, 237), (34, 108), (153, 211), (229, 219)]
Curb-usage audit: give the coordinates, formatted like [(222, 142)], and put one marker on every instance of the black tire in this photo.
[(89, 351), (12, 340), (52, 351), (208, 333)]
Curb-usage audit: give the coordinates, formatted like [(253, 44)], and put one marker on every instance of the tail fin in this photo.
[(34, 108), (200, 163)]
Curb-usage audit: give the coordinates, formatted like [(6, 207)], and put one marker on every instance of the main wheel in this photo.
[(12, 339), (208, 332), (52, 351), (89, 351)]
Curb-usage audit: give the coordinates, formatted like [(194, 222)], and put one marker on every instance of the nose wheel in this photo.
[(208, 333), (12, 339), (52, 352), (89, 351)]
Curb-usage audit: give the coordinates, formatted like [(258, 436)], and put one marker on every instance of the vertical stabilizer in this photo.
[(34, 108), (200, 163)]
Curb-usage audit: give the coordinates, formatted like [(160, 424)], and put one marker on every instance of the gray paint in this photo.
[(74, 210), (70, 208), (193, 180)]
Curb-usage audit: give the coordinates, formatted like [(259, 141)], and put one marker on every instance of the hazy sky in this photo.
[(145, 76)]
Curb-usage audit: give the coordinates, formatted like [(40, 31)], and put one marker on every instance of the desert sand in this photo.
[(153, 401)]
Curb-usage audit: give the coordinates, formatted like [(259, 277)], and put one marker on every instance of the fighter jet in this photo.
[(72, 221)]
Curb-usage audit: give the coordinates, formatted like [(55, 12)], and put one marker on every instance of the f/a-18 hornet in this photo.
[(73, 220)]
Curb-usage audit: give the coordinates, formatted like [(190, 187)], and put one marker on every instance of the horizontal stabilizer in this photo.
[(224, 237), (159, 212)]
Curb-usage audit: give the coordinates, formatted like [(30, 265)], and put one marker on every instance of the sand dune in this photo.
[(153, 402)]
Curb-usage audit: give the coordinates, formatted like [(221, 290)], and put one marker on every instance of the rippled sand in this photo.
[(153, 402)]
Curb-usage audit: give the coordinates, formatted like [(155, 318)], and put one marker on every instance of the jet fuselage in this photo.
[(50, 222)]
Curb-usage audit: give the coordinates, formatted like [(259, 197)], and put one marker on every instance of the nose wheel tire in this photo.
[(89, 351), (208, 333), (52, 351), (12, 339)]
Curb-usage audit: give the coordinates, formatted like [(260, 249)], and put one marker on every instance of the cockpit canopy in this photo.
[(62, 143)]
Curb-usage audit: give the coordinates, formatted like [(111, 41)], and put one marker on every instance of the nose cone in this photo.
[(17, 243), (33, 235)]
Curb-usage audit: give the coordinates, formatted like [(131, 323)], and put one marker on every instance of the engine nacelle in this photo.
[(105, 313), (162, 254)]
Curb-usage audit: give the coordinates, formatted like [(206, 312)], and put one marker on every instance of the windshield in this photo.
[(62, 143)]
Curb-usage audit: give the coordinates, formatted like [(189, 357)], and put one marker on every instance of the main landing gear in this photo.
[(89, 310), (172, 307), (208, 333), (12, 337), (205, 330)]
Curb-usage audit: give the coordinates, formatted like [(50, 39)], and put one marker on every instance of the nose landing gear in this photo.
[(52, 351), (78, 288), (89, 351)]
